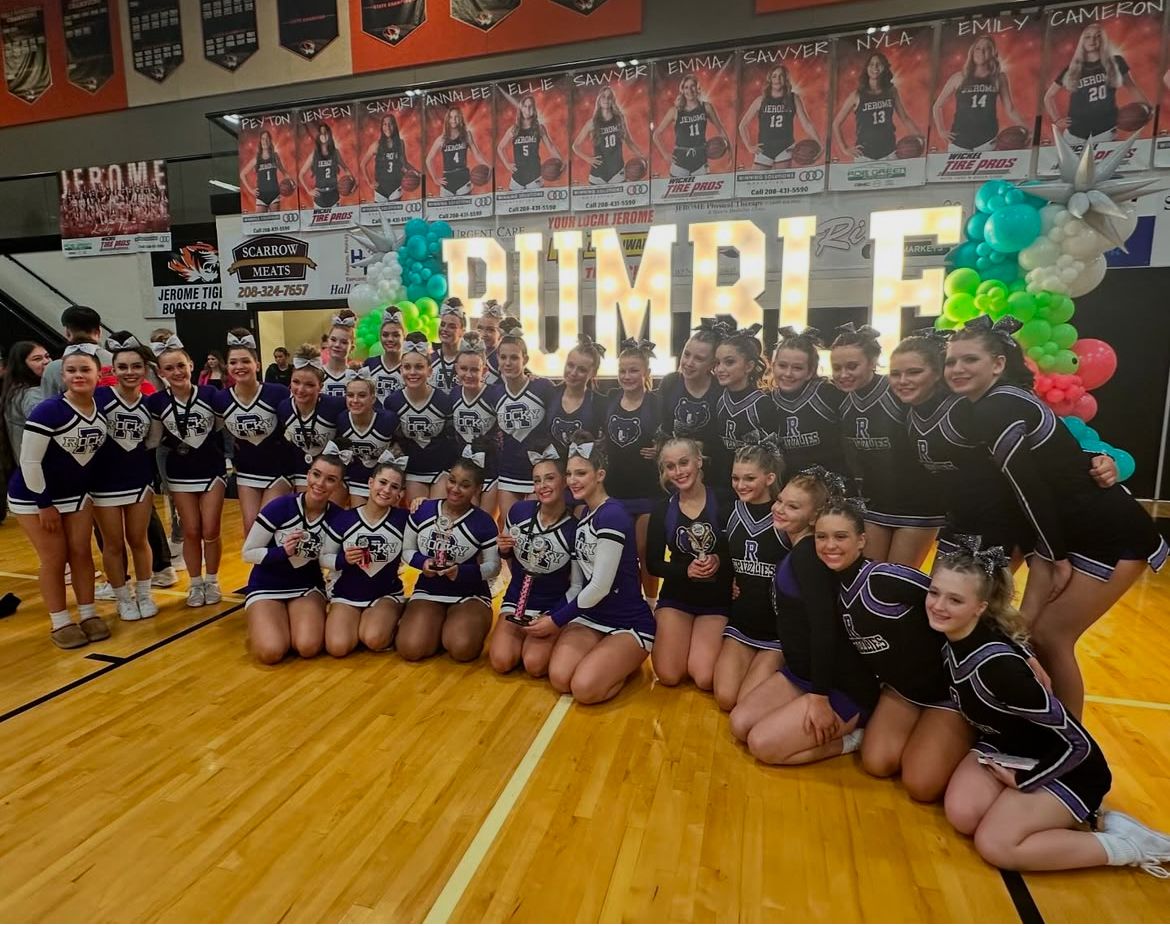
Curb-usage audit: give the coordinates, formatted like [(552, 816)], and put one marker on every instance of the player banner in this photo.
[(327, 150), (1103, 71), (390, 171), (882, 108), (115, 209), (783, 119), (986, 97), (532, 122), (693, 153), (611, 138), (268, 166), (460, 141)]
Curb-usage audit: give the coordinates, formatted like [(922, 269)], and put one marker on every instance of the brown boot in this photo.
[(69, 637), (95, 629)]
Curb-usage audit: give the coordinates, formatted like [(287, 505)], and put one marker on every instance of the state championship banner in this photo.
[(532, 156), (460, 139), (986, 97), (882, 108), (186, 277), (611, 138), (327, 149), (390, 136), (783, 121), (269, 201), (692, 153), (1103, 74), (115, 209)]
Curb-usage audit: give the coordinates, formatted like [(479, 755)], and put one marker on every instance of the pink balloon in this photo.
[(1085, 408), (1098, 362), (1055, 396), (1064, 409)]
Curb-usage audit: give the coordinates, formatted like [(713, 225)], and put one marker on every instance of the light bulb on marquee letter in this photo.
[(650, 293), (798, 232), (891, 292), (740, 298), (457, 253)]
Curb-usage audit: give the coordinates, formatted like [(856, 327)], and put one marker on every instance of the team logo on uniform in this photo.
[(306, 439), (519, 418), (862, 441), (83, 442), (864, 645), (382, 550), (365, 451), (248, 425), (538, 554), (793, 437), (129, 428), (750, 565), (417, 428), (624, 431), (563, 430), (689, 414), (441, 541), (468, 423), (930, 465)]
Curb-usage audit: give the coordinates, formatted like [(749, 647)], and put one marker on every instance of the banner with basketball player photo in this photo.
[(783, 122), (327, 153), (1103, 73), (460, 146), (390, 139), (269, 200), (611, 138), (532, 155), (882, 108), (986, 97), (692, 153), (114, 209)]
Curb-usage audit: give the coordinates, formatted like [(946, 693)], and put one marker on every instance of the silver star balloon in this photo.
[(379, 245), (1090, 191)]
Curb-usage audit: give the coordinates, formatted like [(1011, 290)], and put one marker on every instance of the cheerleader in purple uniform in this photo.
[(575, 404), (122, 490), (365, 430), (308, 417), (489, 327), (696, 579), (249, 410), (473, 414), (452, 324), (285, 606), (338, 344), (454, 545), (538, 538), (747, 414), (690, 398), (521, 413), (49, 494), (364, 547), (387, 375), (183, 419), (808, 408), (424, 422)]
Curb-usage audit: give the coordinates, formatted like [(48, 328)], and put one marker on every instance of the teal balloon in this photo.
[(1013, 197), (975, 225), (436, 286), (414, 278), (996, 203), (983, 248), (416, 291), (434, 248), (431, 236), (1012, 228), (416, 247), (1091, 434), (1006, 271), (1076, 427), (964, 255), (1095, 445), (415, 227), (442, 230), (426, 273), (983, 264), (1126, 464), (985, 193)]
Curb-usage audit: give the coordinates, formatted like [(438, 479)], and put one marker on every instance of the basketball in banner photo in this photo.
[(532, 123)]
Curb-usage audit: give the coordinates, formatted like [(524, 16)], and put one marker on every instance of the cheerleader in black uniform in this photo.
[(285, 605), (456, 145), (901, 516), (1091, 544), (808, 408), (696, 586), (916, 727), (364, 547), (452, 324), (575, 404), (690, 117), (338, 344), (263, 178), (747, 415), (366, 430), (1035, 776), (757, 540), (473, 415), (521, 141), (387, 375), (309, 419), (632, 418), (873, 105), (690, 398)]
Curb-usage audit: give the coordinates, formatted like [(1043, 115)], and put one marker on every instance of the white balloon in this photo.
[(373, 274), (1061, 217), (385, 290), (1040, 253), (1048, 215), (1090, 277), (1126, 226), (362, 298), (1084, 243)]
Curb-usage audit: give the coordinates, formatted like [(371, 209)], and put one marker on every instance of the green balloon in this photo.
[(1035, 352), (962, 280), (1066, 361), (1034, 333), (1021, 306), (1060, 309), (960, 307), (1047, 363), (428, 307), (987, 287), (1065, 336)]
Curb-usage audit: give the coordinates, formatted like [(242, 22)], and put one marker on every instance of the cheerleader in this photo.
[(424, 414), (452, 324), (285, 605), (387, 374), (183, 419), (757, 541), (365, 429), (915, 727), (123, 478), (1092, 544), (608, 628), (488, 326), (521, 411), (308, 417), (48, 493), (1035, 776), (454, 545), (575, 404), (538, 538), (338, 344), (746, 414), (249, 410), (364, 547), (473, 414), (901, 515), (696, 587), (807, 406), (690, 397)]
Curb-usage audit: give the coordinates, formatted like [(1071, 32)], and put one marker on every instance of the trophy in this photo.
[(440, 541), (534, 549), (702, 538)]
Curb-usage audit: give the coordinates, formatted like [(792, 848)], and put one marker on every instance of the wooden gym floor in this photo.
[(162, 775)]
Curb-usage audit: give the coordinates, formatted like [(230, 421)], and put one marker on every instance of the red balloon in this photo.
[(1085, 408), (1098, 362), (1055, 396), (1064, 409)]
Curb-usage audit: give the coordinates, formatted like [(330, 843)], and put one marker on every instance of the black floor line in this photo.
[(77, 683), (1017, 889), (104, 657)]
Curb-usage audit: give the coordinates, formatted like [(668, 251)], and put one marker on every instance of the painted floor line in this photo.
[(461, 877), (1125, 702)]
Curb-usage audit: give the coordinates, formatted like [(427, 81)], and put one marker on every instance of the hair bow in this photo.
[(365, 374), (834, 482), (865, 331), (299, 363), (639, 345), (939, 335), (990, 560), (788, 333), (161, 347), (332, 450), (491, 309), (452, 306), (391, 458), (347, 322), (750, 331), (584, 451), (1004, 328), (392, 318), (549, 453), (131, 343), (478, 458), (719, 325), (583, 340), (246, 341), (472, 343), (418, 347), (90, 350)]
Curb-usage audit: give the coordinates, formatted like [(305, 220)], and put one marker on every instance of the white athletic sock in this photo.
[(142, 588), (87, 611), (1119, 850), (196, 580), (122, 593), (851, 742), (60, 619), (212, 578)]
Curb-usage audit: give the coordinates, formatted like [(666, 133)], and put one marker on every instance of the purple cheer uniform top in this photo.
[(387, 380), (522, 419), (424, 435), (543, 552), (190, 430), (367, 443), (473, 418), (308, 434), (469, 541), (605, 547), (443, 375), (263, 456), (334, 384), (277, 576), (364, 585), (123, 472), (59, 446)]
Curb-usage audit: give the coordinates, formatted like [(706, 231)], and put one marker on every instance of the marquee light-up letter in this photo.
[(458, 253), (649, 293), (739, 299), (798, 232), (890, 291)]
